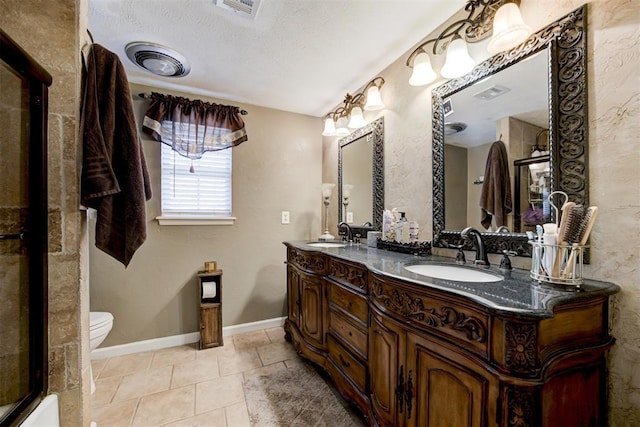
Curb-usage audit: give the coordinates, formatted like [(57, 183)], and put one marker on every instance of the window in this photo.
[(199, 198)]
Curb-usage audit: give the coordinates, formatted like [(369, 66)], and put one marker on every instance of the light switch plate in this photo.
[(285, 217), (349, 217)]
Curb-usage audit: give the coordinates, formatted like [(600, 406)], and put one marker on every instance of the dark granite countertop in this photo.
[(516, 294)]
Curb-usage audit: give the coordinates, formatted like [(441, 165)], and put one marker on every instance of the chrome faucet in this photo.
[(502, 229), (482, 259), (345, 236)]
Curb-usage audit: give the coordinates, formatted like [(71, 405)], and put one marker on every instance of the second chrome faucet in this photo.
[(482, 259)]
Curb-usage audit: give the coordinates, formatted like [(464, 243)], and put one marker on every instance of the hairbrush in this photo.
[(581, 235), (570, 221)]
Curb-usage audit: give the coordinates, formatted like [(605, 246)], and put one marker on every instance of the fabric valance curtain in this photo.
[(193, 127)]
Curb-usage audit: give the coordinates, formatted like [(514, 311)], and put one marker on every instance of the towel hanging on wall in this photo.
[(114, 179)]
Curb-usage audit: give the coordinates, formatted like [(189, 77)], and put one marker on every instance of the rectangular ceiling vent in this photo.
[(244, 8), (491, 93)]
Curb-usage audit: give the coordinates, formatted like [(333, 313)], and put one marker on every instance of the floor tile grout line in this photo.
[(135, 412)]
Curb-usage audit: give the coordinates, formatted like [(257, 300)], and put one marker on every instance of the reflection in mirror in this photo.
[(357, 170), (361, 178), (511, 106), (557, 134)]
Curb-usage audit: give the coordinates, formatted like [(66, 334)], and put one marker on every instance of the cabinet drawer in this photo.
[(350, 274), (348, 364), (311, 262), (349, 333), (350, 302)]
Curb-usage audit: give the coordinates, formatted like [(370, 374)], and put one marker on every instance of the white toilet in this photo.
[(100, 324)]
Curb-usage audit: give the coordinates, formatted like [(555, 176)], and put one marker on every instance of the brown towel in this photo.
[(495, 198), (114, 178)]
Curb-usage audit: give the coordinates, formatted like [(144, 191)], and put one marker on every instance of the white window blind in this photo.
[(205, 193)]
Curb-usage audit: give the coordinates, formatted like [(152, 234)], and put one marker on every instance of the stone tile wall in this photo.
[(49, 32)]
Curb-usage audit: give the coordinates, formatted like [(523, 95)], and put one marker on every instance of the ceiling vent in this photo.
[(244, 8), (158, 59), (451, 128), (492, 92)]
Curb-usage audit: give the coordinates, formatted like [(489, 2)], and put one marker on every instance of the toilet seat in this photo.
[(99, 319)]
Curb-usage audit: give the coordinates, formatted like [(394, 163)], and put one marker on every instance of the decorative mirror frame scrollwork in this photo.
[(566, 41), (374, 130)]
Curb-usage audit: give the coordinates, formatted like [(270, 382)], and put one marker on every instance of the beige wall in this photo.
[(477, 162), (614, 160), (455, 192), (278, 168), (357, 170), (49, 33)]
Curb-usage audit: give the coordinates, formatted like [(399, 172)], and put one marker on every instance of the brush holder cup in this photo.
[(559, 264)]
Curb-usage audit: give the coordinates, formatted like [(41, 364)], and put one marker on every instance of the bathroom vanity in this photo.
[(412, 350)]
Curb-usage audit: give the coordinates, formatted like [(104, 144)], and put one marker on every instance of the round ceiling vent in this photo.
[(158, 59), (454, 127)]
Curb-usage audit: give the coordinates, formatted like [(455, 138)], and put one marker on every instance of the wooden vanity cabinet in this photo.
[(411, 355), (306, 324), (416, 381), (441, 359)]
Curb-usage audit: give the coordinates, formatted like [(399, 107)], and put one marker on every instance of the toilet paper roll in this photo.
[(209, 290)]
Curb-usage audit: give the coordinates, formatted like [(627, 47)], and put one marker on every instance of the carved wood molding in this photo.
[(307, 262), (520, 407), (414, 308), (346, 273), (520, 348)]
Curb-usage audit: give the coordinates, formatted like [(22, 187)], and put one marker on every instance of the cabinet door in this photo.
[(293, 295), (387, 374), (448, 389), (312, 310)]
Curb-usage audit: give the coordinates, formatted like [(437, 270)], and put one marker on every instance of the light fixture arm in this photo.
[(357, 100), (478, 26)]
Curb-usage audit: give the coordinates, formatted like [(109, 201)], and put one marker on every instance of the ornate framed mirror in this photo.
[(361, 166), (562, 48)]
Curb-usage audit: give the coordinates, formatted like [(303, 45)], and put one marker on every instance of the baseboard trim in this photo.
[(176, 340)]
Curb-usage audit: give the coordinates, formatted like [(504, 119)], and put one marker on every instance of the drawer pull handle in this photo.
[(344, 362)]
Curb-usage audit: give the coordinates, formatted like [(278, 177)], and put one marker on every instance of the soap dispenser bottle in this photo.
[(403, 228)]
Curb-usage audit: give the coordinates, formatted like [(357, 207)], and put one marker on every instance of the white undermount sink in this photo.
[(327, 244), (453, 272)]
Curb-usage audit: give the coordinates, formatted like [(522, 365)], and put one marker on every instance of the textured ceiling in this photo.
[(297, 55)]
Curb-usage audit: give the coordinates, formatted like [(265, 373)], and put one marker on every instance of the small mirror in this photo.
[(361, 178)]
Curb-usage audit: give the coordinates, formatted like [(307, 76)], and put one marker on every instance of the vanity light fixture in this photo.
[(509, 30), (484, 16), (349, 114)]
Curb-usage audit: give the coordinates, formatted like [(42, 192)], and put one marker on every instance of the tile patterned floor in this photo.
[(183, 386)]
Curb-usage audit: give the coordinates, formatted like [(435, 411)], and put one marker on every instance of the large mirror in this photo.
[(533, 98), (361, 178)]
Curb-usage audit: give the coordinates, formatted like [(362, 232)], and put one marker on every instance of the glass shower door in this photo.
[(23, 231)]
